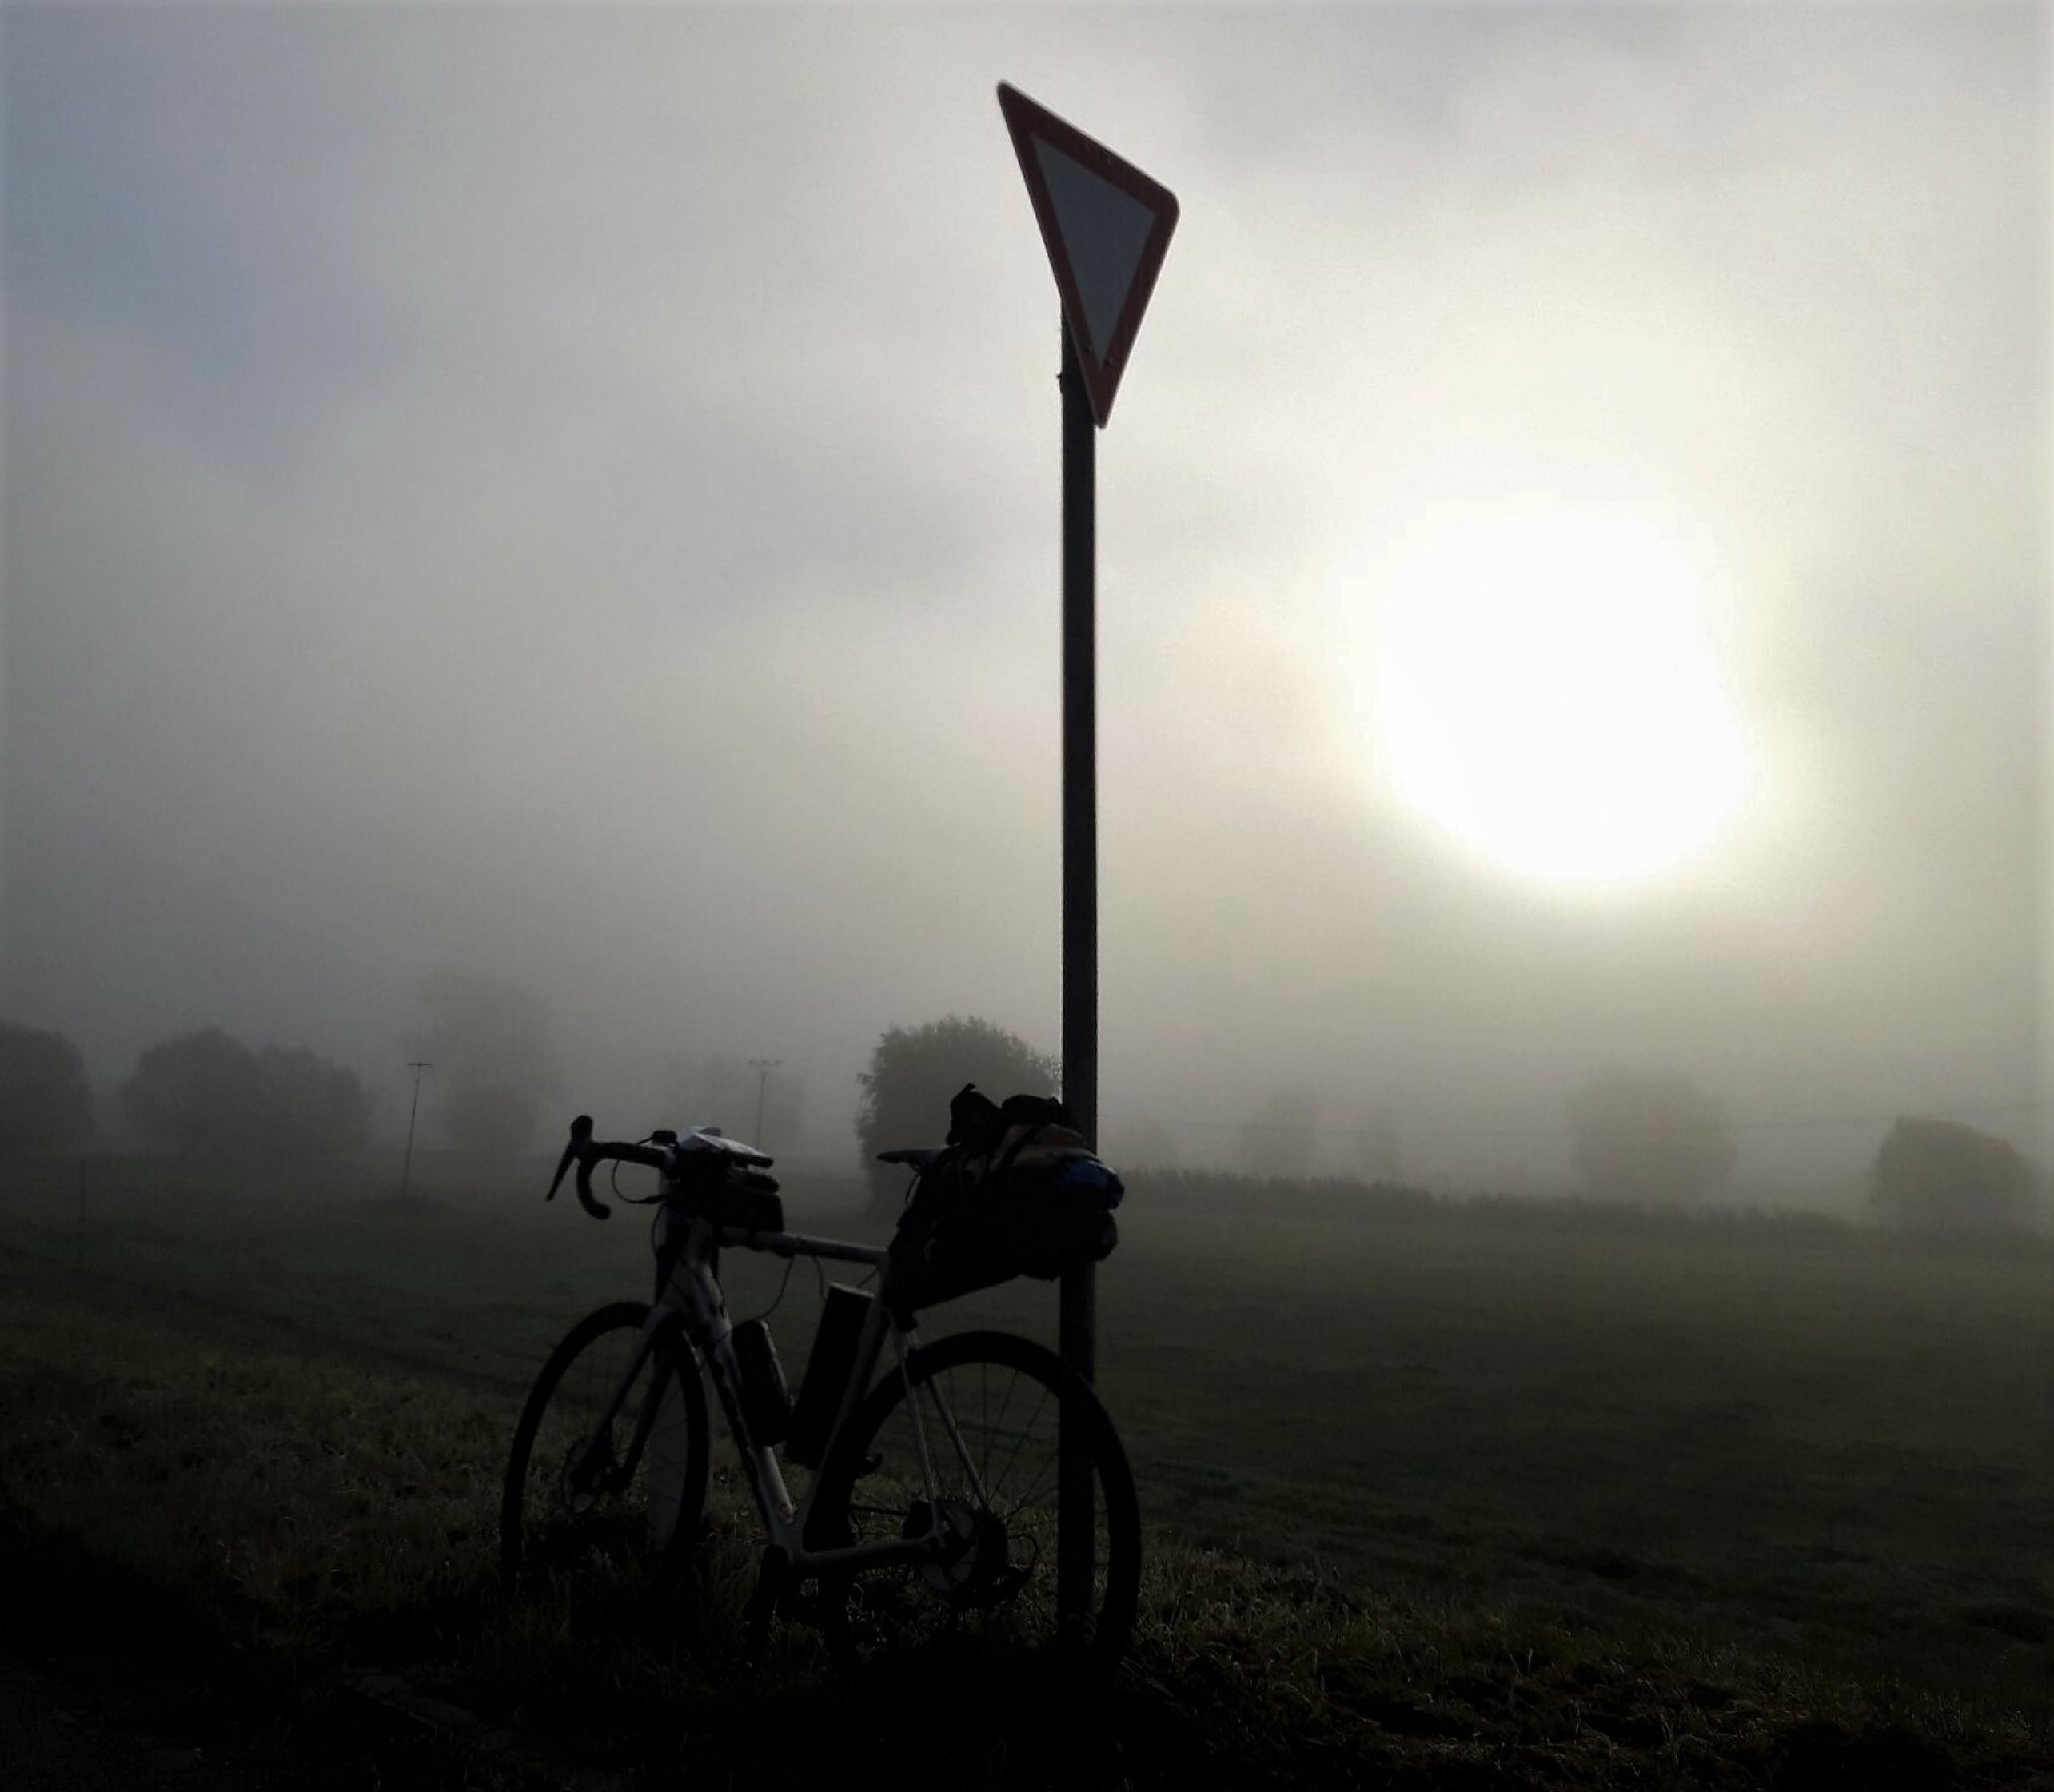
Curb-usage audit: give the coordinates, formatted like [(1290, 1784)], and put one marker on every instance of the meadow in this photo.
[(1484, 1493)]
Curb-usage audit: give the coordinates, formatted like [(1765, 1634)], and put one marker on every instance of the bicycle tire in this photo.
[(873, 1489), (578, 1515)]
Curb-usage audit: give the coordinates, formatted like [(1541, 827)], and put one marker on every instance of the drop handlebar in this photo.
[(585, 1151)]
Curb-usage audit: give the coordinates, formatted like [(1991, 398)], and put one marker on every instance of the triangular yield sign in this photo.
[(1106, 226)]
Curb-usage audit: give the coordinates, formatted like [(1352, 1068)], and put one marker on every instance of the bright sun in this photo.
[(1544, 685)]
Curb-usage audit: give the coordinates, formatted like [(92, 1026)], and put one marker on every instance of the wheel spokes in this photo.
[(994, 1449), (607, 1477)]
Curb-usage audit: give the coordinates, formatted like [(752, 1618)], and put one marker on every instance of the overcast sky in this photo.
[(573, 494)]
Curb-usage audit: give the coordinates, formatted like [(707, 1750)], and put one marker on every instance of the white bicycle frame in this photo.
[(691, 1295)]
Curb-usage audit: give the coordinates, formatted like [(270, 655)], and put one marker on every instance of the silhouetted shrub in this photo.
[(1941, 1176), (913, 1072), (46, 1101)]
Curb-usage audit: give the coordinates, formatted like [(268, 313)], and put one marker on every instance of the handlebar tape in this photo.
[(619, 1151), (598, 1209), (582, 1152)]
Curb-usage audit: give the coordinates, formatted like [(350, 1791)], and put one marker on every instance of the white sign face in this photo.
[(1106, 226)]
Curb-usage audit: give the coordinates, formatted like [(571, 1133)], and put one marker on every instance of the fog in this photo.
[(571, 497)]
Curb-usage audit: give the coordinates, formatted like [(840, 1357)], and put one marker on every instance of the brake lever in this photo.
[(580, 1137), (575, 1153)]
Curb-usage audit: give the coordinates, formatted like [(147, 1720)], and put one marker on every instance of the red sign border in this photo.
[(1025, 120)]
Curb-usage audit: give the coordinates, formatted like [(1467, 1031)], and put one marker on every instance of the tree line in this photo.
[(492, 1074), (1635, 1137), (205, 1092), (1643, 1138)]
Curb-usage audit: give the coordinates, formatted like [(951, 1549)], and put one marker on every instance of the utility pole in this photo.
[(762, 1067), (416, 1065)]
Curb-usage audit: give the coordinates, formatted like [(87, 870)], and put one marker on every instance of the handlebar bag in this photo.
[(729, 1192)]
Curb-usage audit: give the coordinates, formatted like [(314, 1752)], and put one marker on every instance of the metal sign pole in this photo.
[(1076, 1516), (1106, 227)]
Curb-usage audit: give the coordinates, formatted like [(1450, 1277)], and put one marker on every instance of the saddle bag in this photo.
[(1018, 1193)]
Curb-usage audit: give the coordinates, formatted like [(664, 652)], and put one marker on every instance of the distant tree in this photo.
[(1281, 1138), (46, 1101), (914, 1070), (1650, 1136), (208, 1091), (1941, 1176), (314, 1105), (495, 1057), (201, 1092)]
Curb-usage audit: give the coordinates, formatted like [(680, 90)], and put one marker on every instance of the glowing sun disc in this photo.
[(1545, 686)]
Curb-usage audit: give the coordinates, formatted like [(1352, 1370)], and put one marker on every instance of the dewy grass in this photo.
[(305, 1460), (295, 1491)]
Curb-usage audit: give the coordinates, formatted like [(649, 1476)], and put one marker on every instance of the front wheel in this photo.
[(990, 1409), (606, 1481)]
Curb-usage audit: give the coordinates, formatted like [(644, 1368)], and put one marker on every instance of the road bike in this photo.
[(928, 1517)]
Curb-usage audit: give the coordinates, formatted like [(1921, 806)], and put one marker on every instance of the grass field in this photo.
[(1537, 1498)]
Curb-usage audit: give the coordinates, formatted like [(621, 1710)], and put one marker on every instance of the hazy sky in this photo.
[(573, 494)]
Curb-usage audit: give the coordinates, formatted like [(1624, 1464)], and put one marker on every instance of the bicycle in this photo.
[(929, 1516)]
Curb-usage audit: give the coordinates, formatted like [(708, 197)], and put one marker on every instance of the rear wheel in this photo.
[(603, 1492), (991, 1408)]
